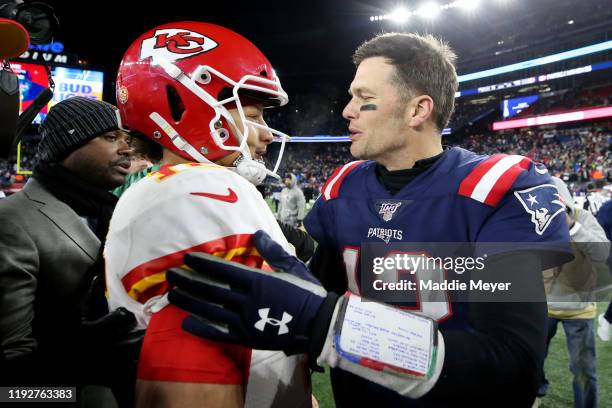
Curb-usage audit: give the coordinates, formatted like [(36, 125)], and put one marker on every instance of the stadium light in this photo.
[(468, 5), (429, 10), (399, 15), (379, 18)]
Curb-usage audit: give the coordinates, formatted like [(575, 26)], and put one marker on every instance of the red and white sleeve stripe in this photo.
[(332, 186), (492, 179)]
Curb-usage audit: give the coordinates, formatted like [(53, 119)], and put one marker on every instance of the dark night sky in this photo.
[(310, 42), (302, 39)]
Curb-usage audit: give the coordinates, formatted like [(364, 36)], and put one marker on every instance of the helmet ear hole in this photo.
[(223, 134), (205, 78), (224, 93), (177, 107)]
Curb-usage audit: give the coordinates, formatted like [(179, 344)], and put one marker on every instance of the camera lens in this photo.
[(37, 23)]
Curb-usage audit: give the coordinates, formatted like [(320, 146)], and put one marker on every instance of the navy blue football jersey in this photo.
[(462, 197)]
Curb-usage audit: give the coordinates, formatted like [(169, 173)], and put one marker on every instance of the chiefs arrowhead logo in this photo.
[(174, 43)]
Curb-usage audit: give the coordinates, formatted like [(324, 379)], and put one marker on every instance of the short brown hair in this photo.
[(145, 147), (424, 65)]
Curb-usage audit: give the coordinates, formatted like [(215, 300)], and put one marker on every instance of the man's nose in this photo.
[(350, 111), (265, 135), (125, 149)]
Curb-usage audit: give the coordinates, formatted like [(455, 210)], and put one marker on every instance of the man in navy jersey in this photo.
[(408, 188)]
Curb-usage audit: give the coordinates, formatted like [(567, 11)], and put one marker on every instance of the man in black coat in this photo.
[(54, 323)]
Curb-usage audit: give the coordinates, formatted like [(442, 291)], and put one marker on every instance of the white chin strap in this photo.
[(255, 172)]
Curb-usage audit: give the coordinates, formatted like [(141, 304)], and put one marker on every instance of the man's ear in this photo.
[(420, 110)]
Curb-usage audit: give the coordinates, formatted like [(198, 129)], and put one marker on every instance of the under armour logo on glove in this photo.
[(233, 303), (282, 329)]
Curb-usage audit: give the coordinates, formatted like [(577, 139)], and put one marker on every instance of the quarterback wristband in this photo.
[(318, 330), (384, 338)]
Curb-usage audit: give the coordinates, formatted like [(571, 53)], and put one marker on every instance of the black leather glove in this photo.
[(109, 328), (111, 333)]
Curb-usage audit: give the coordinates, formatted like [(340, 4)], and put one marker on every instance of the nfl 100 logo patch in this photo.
[(387, 209)]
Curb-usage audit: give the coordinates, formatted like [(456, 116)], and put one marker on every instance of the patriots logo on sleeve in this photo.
[(543, 203)]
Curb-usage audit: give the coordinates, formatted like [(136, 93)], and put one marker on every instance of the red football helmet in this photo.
[(177, 81)]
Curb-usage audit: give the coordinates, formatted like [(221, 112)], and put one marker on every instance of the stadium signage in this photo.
[(35, 56), (562, 56), (532, 80), (54, 47), (52, 53), (558, 118)]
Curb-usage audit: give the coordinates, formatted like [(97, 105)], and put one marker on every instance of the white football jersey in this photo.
[(194, 207)]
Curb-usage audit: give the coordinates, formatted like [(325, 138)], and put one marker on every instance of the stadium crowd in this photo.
[(578, 155)]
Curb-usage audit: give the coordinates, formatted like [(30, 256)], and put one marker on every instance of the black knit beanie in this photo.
[(73, 122)]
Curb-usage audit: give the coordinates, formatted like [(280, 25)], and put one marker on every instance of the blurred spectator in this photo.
[(291, 205), (594, 200), (313, 163), (569, 291), (604, 216)]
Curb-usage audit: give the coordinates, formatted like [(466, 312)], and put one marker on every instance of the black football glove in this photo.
[(229, 302)]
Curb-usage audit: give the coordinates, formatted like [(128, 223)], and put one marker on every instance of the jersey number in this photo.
[(434, 304)]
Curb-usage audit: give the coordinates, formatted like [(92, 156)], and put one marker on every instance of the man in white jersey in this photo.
[(199, 90)]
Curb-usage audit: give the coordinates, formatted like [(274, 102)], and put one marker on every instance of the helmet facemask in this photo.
[(268, 90)]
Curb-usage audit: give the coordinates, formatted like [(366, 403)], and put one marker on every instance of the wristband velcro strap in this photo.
[(318, 330)]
